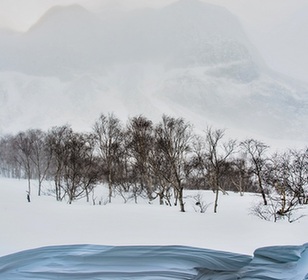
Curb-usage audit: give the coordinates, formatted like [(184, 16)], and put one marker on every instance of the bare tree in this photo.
[(41, 156), (286, 178), (199, 163), (256, 152), (108, 134), (23, 146), (211, 155), (56, 142), (173, 137), (240, 176), (140, 143), (216, 154), (299, 174), (161, 171), (81, 172), (124, 177), (9, 167)]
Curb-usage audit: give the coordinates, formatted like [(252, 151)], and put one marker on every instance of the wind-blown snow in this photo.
[(154, 262), (106, 262)]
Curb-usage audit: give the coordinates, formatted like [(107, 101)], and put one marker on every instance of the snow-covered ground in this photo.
[(46, 222), (86, 241)]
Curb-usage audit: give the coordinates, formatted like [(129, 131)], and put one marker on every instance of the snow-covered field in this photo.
[(86, 241), (45, 222)]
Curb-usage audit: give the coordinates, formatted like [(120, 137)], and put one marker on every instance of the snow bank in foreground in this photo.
[(154, 262)]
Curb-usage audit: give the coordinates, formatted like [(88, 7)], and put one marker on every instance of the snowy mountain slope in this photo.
[(189, 59)]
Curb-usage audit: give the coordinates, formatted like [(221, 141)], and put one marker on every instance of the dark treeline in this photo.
[(153, 161)]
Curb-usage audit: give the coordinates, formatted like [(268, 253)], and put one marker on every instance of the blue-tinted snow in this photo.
[(154, 262)]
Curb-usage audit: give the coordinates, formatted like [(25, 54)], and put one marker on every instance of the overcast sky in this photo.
[(278, 28)]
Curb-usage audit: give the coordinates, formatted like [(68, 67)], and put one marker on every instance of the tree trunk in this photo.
[(39, 188), (29, 186), (87, 194), (39, 182), (149, 188), (176, 197), (262, 190), (161, 198), (181, 201), (109, 187), (216, 200)]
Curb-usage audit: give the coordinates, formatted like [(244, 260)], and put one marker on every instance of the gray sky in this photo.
[(20, 14), (278, 28)]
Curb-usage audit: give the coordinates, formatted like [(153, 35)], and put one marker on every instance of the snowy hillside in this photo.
[(188, 59)]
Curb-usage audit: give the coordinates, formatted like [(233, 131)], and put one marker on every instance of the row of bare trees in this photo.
[(159, 160)]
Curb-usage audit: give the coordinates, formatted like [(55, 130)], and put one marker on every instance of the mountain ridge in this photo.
[(65, 13)]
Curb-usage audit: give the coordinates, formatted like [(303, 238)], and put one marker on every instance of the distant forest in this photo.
[(154, 161)]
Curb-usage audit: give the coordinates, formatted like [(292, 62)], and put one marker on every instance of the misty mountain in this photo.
[(71, 39), (187, 59)]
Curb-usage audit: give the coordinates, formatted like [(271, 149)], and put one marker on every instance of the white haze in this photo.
[(73, 65), (278, 28)]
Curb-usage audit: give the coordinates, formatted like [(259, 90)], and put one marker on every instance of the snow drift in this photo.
[(154, 262)]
